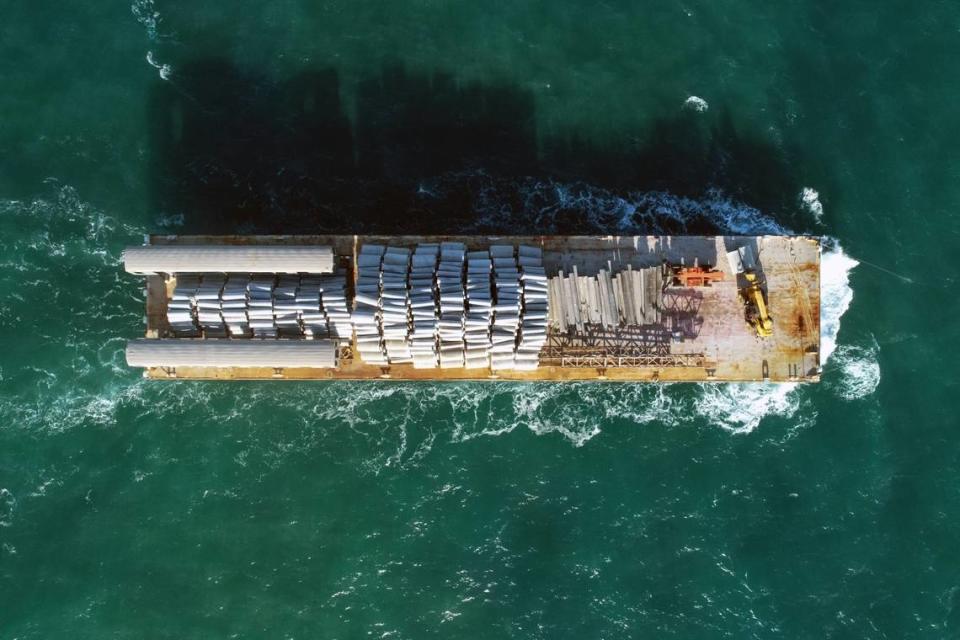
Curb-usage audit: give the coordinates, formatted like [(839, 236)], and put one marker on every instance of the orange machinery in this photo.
[(695, 276)]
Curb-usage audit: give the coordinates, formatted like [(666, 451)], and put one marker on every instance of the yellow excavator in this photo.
[(756, 314), (744, 265)]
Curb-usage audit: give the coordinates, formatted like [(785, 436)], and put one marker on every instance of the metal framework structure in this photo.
[(646, 346), (681, 310), (604, 361)]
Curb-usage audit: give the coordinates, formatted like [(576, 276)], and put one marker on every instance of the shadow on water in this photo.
[(237, 152)]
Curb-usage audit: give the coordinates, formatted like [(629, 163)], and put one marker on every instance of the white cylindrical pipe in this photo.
[(228, 259), (316, 354)]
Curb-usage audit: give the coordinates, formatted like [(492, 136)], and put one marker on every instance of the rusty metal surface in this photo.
[(717, 343)]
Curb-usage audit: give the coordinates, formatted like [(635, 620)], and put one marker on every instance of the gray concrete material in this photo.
[(149, 259), (231, 353)]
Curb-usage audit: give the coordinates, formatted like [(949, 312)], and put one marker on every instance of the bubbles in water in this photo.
[(172, 220), (859, 369), (165, 70), (147, 15), (696, 103), (810, 200), (7, 505)]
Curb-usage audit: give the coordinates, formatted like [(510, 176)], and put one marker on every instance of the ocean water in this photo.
[(137, 509)]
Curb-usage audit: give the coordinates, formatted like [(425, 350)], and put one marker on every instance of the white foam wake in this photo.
[(859, 371), (740, 408), (836, 294)]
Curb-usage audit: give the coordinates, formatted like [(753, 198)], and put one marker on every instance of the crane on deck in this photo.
[(750, 288)]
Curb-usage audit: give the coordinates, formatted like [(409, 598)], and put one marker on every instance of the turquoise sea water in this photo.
[(131, 509)]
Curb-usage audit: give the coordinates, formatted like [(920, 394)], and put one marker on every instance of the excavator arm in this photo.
[(757, 314)]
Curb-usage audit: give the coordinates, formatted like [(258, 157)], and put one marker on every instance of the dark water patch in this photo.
[(683, 154), (412, 125), (235, 150)]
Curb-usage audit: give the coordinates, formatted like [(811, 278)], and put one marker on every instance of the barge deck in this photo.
[(699, 333)]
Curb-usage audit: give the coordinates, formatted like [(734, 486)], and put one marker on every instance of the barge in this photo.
[(562, 308)]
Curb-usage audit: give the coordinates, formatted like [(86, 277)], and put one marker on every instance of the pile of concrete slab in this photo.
[(479, 310), (241, 306), (367, 314), (630, 297), (285, 315), (260, 306), (396, 302), (309, 307), (395, 305), (208, 306), (423, 306), (533, 325), (333, 298), (233, 305), (506, 311), (181, 308), (452, 298), (442, 306), (321, 307)]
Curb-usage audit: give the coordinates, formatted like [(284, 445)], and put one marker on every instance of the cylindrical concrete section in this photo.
[(313, 354), (228, 259)]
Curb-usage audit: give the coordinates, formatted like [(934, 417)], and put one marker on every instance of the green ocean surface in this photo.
[(139, 509)]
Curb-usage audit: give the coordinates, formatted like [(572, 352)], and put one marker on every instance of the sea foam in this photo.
[(859, 371), (8, 504), (165, 70), (696, 103), (147, 15), (810, 201)]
